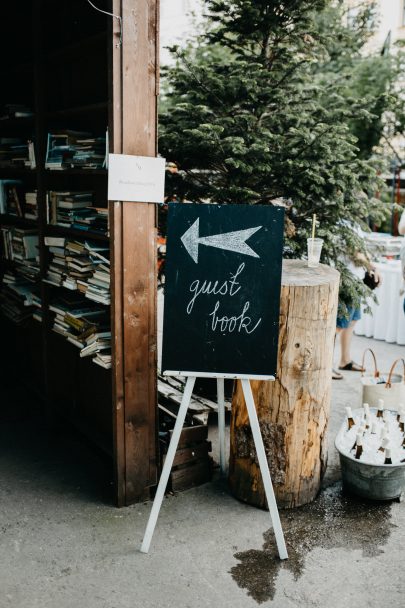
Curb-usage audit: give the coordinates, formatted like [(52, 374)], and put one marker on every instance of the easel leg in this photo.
[(157, 503), (221, 422), (264, 468)]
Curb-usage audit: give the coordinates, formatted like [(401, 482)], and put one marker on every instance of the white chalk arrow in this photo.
[(232, 241)]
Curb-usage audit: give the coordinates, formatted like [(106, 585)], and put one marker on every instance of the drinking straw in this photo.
[(313, 234), (313, 225)]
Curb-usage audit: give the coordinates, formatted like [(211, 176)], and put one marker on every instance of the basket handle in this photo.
[(376, 372), (388, 383)]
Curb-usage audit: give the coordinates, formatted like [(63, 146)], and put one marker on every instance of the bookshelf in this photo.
[(66, 68)]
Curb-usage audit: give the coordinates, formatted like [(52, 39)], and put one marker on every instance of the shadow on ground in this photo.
[(48, 457), (333, 520)]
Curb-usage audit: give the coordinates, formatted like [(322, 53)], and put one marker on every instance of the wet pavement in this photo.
[(332, 521), (63, 545)]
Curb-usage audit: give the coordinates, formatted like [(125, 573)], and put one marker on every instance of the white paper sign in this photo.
[(136, 178)]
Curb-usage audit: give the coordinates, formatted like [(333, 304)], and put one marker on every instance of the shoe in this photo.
[(336, 375), (352, 367)]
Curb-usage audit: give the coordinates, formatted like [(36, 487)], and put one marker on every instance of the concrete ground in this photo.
[(63, 545)]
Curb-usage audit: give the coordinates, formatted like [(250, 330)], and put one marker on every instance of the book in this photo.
[(69, 149), (5, 188)]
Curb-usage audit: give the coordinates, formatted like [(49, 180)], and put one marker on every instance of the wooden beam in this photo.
[(115, 212), (134, 233)]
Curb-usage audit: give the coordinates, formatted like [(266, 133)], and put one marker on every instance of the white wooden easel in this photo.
[(261, 454)]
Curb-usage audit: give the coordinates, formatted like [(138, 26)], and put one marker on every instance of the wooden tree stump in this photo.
[(293, 411)]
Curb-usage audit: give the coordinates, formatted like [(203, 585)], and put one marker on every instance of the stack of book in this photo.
[(81, 266), (75, 210), (31, 205), (70, 149), (57, 266), (64, 206), (98, 285), (85, 325), (90, 153), (14, 201), (16, 152), (16, 298), (103, 358), (37, 303), (98, 342), (19, 285), (72, 303), (20, 244), (100, 221), (29, 270), (61, 148), (69, 263), (91, 219), (11, 196)]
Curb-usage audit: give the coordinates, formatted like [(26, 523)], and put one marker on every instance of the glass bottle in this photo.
[(380, 408), (368, 421), (350, 419), (359, 446), (385, 441), (387, 456)]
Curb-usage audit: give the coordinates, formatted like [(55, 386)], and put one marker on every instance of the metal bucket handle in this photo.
[(388, 383), (376, 372)]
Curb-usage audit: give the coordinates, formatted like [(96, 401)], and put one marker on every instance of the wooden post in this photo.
[(293, 411), (133, 227)]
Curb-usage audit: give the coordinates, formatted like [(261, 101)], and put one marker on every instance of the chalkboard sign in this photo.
[(222, 289)]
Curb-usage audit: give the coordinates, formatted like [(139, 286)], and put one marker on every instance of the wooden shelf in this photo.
[(17, 123), (17, 171), (76, 172), (14, 220), (8, 264), (55, 230), (75, 291), (57, 60), (76, 110)]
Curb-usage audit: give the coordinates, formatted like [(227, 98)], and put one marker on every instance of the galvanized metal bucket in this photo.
[(376, 482)]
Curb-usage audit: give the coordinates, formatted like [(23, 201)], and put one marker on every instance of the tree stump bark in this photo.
[(293, 411)]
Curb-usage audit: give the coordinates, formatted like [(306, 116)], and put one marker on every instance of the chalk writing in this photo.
[(229, 324), (208, 288), (229, 287)]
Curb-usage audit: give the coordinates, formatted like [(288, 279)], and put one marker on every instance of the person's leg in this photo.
[(346, 336), (335, 374)]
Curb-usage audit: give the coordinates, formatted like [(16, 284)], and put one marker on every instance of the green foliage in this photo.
[(275, 102)]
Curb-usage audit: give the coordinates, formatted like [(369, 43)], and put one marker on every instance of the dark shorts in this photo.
[(354, 315)]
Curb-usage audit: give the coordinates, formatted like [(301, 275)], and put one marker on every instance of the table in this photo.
[(387, 318)]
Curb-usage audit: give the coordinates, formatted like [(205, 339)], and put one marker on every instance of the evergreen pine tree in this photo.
[(260, 111)]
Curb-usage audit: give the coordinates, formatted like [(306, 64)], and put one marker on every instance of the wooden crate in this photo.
[(192, 463)]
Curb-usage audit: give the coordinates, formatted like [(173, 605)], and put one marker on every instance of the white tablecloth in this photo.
[(387, 321)]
